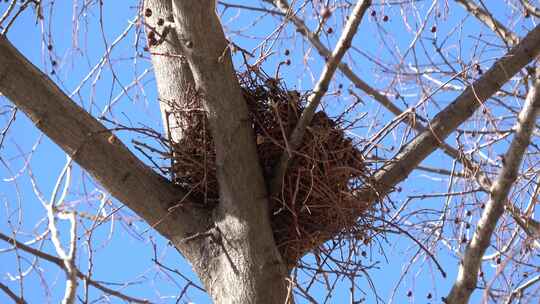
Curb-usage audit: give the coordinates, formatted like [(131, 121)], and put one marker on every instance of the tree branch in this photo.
[(467, 277), (325, 53), (61, 264), (446, 121), (485, 17), (94, 147), (343, 44), (11, 294)]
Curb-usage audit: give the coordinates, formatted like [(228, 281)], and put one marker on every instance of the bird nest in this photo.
[(318, 198)]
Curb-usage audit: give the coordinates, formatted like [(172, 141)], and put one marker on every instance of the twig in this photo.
[(11, 294), (518, 292), (485, 17), (529, 8), (60, 263), (467, 277), (343, 44), (251, 8)]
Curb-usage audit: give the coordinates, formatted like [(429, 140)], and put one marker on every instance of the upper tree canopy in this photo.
[(304, 151)]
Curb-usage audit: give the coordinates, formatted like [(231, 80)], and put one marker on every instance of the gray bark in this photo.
[(471, 261), (92, 146), (248, 268), (232, 247)]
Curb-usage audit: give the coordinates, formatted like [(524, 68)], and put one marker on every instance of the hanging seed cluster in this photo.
[(317, 201)]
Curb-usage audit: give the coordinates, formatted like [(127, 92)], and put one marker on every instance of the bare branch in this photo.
[(343, 44), (485, 17), (325, 53), (11, 294), (519, 290), (530, 8), (91, 145), (60, 263), (467, 277), (446, 121)]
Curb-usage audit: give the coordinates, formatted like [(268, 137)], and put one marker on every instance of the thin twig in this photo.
[(343, 44), (467, 277), (60, 263), (485, 17)]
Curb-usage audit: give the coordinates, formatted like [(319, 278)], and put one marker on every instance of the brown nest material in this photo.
[(317, 201)]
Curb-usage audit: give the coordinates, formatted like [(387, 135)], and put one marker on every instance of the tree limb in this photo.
[(343, 44), (446, 121), (485, 17), (467, 277), (93, 147), (325, 53)]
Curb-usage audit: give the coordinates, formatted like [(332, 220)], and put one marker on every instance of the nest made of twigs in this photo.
[(318, 198)]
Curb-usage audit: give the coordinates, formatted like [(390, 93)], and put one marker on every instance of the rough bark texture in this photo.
[(172, 72), (248, 267), (92, 146)]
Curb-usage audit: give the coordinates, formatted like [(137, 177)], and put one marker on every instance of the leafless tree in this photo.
[(409, 118)]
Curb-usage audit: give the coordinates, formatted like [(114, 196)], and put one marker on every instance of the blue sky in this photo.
[(124, 248)]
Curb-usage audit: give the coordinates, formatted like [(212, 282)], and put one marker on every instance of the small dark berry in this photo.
[(54, 63), (433, 29), (49, 47), (373, 13), (160, 22), (287, 52), (385, 18), (429, 295), (288, 62), (409, 293), (330, 30), (148, 12), (468, 213)]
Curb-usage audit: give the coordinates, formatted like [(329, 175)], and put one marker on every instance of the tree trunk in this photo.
[(236, 258)]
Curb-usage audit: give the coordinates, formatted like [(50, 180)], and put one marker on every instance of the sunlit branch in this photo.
[(467, 277), (485, 17), (343, 44)]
